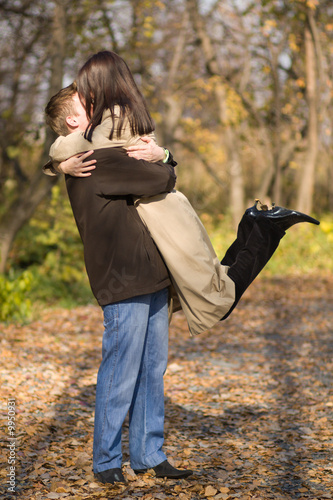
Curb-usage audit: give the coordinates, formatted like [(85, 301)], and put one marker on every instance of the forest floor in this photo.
[(249, 404)]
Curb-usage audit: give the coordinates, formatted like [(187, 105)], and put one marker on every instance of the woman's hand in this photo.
[(76, 166), (148, 150)]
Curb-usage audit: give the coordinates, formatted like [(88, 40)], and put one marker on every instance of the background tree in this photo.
[(240, 91), (24, 187)]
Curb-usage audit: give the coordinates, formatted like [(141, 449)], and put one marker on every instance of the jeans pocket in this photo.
[(110, 316)]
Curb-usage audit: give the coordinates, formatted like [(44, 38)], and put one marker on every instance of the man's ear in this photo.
[(71, 122)]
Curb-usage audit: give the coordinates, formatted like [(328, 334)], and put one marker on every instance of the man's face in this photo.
[(81, 116)]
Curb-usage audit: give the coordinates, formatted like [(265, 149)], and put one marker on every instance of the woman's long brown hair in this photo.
[(104, 81)]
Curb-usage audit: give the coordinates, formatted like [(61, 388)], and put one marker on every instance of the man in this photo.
[(130, 281)]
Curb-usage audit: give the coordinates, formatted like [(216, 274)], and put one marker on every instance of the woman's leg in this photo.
[(251, 257), (243, 232)]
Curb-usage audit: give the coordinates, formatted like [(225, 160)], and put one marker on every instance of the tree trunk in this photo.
[(173, 108), (306, 187), (276, 128), (236, 177), (21, 211), (39, 185), (234, 163)]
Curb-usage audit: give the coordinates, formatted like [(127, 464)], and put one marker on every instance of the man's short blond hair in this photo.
[(59, 107)]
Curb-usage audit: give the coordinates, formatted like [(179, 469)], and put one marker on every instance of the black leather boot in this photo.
[(110, 476), (167, 470), (282, 217), (243, 232), (252, 257)]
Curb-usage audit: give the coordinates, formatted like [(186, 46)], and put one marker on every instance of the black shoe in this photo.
[(282, 217), (110, 476), (166, 470)]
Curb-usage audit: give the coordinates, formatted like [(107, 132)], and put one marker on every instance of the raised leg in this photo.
[(250, 259)]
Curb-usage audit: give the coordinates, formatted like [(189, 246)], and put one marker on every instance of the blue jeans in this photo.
[(130, 379)]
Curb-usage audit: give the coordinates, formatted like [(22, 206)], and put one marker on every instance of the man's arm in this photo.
[(119, 175)]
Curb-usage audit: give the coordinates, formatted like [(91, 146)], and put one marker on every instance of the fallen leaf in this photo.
[(210, 491)]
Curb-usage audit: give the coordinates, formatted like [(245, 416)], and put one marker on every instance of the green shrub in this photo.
[(14, 303), (51, 248)]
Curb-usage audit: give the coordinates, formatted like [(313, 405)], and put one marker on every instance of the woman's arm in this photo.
[(150, 151), (76, 166), (146, 150)]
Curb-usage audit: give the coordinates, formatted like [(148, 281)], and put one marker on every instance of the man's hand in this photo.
[(76, 166), (146, 150)]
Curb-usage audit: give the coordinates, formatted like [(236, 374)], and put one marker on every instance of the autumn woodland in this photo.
[(241, 93)]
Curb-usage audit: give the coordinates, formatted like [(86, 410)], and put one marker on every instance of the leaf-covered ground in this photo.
[(249, 405)]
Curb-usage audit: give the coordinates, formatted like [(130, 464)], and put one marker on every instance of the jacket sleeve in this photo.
[(117, 174)]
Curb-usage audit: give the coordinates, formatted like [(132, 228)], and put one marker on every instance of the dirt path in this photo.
[(249, 405)]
